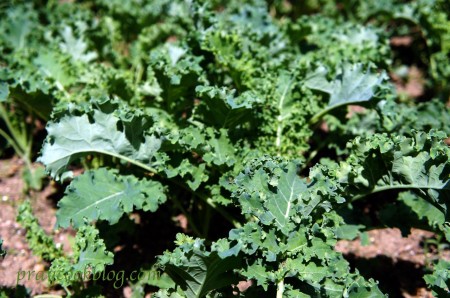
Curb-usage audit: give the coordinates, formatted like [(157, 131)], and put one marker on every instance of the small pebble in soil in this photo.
[(39, 267)]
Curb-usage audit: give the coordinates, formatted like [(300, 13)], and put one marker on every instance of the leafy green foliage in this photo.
[(196, 271), (380, 163), (101, 194), (351, 85), (40, 243), (89, 256), (282, 250), (228, 110), (74, 136), (439, 280)]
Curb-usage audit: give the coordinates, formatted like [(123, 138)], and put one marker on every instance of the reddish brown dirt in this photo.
[(19, 256), (402, 258), (413, 86)]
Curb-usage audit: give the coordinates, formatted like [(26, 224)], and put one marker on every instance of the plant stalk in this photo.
[(280, 288)]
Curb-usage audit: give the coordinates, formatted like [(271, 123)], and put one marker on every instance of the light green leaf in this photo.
[(4, 91), (89, 254), (381, 162), (54, 66), (439, 280), (350, 85), (19, 25), (74, 136), (219, 150), (281, 204), (39, 242), (103, 194), (348, 232), (423, 209), (75, 47), (259, 274), (283, 95)]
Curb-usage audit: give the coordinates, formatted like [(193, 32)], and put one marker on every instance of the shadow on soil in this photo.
[(394, 278)]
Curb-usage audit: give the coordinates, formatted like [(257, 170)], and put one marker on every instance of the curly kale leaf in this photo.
[(289, 246), (439, 279), (89, 256), (382, 162), (73, 136), (103, 194), (351, 85), (40, 243), (223, 108), (197, 271)]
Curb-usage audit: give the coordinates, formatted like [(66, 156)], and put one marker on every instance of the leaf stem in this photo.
[(17, 135), (12, 143), (325, 111), (207, 221), (280, 288), (211, 203), (188, 216), (69, 294), (389, 187)]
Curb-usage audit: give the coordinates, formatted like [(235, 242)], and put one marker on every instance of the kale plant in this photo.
[(273, 117)]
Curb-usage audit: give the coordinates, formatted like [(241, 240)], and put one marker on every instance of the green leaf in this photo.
[(91, 250), (177, 72), (380, 163), (258, 273), (280, 204), (75, 47), (89, 255), (309, 271), (439, 280), (40, 243), (198, 272), (103, 194), (351, 85), (285, 99), (348, 232), (19, 24), (72, 137), (201, 274), (423, 208), (54, 66), (4, 92), (33, 177), (225, 109), (219, 151)]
